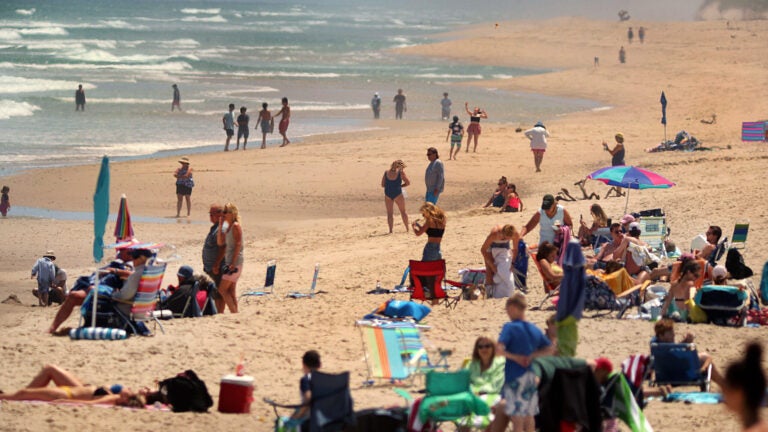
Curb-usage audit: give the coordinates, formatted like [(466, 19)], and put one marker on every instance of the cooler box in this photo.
[(236, 394)]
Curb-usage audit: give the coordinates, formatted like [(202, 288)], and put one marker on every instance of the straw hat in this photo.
[(50, 254), (184, 160)]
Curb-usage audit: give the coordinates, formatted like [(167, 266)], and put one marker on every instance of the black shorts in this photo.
[(230, 132), (183, 190), (242, 132)]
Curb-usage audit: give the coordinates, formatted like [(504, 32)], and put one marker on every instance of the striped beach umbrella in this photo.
[(123, 226), (630, 177)]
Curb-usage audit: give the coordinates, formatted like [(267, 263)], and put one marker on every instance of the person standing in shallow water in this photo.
[(80, 98), (622, 55), (228, 122), (176, 98), (445, 106), (285, 112), (376, 105), (265, 121), (400, 105)]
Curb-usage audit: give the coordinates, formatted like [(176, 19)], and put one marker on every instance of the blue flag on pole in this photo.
[(663, 109)]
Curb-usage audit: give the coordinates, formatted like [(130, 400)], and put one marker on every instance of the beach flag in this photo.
[(627, 408), (663, 109), (754, 131)]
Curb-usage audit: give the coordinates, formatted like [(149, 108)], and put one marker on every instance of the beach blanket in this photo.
[(695, 398)]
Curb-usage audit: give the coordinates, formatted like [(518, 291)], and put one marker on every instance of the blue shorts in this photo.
[(522, 396), (431, 252), (431, 198)]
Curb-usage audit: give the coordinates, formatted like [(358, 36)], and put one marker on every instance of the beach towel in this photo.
[(400, 309), (695, 398)]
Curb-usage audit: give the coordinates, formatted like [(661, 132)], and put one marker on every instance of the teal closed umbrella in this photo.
[(100, 210)]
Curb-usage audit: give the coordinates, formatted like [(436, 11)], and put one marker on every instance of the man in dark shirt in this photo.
[(213, 254)]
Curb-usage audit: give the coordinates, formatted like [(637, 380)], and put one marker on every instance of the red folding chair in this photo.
[(427, 283)]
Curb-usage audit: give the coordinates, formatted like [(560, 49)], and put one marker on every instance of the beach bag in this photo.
[(734, 263), (598, 295), (186, 392)]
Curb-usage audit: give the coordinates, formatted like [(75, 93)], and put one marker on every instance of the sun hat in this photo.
[(49, 254), (719, 271), (185, 272), (619, 135), (547, 202), (184, 160), (539, 124), (627, 218)]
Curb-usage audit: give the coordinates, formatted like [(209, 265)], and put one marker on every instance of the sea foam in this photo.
[(9, 108), (26, 12), (194, 11), (14, 84)]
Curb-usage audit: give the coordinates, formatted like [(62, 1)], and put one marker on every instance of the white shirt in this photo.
[(538, 136)]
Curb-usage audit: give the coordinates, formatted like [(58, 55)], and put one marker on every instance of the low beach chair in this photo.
[(739, 237), (330, 409), (427, 280), (311, 293), (269, 283), (403, 285), (677, 364), (653, 231), (449, 399), (551, 290), (182, 303)]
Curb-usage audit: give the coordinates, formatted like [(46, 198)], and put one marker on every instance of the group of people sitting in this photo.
[(505, 197)]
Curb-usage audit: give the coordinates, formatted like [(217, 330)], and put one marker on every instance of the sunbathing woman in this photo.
[(499, 251), (499, 196), (68, 388), (550, 271), (744, 389), (675, 306), (434, 226), (599, 220), (393, 181), (473, 130)]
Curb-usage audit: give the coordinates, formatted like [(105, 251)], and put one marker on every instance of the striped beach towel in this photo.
[(753, 131)]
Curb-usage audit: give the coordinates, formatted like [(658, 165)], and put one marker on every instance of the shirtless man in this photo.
[(713, 234), (265, 121), (499, 253), (285, 112)]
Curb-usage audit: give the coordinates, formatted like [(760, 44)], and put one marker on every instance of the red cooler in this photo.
[(236, 394)]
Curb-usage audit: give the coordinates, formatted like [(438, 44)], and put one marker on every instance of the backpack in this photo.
[(186, 392), (734, 263)]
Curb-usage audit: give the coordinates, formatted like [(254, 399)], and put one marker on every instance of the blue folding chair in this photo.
[(269, 283), (677, 364)]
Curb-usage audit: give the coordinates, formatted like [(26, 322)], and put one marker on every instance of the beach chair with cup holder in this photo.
[(331, 407), (109, 314), (428, 283), (739, 237), (269, 284), (678, 364)]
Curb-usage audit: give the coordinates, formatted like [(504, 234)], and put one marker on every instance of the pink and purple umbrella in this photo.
[(630, 177), (123, 226)]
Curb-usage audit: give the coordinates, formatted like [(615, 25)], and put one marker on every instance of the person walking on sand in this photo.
[(630, 35), (265, 121), (456, 134), (445, 106), (434, 177), (393, 181), (376, 105), (474, 124), (176, 98), (5, 201), (400, 105), (230, 236), (538, 136), (622, 55), (229, 125), (285, 114), (184, 185), (641, 34), (80, 98), (242, 127)]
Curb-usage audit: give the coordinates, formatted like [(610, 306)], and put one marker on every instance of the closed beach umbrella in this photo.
[(100, 210), (123, 226), (630, 177), (570, 306)]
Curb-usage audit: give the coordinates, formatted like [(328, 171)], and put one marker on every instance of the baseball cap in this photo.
[(634, 226), (547, 202), (627, 218), (185, 272), (604, 364), (719, 271)]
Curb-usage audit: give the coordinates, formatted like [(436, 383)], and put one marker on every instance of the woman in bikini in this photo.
[(434, 226), (514, 204), (230, 236), (680, 290), (69, 388), (393, 181), (474, 124)]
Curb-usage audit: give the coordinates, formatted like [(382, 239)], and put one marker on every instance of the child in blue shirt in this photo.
[(520, 342)]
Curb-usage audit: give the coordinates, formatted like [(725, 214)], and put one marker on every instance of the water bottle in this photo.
[(378, 285)]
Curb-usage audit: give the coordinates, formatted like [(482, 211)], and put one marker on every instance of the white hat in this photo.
[(719, 271), (634, 226)]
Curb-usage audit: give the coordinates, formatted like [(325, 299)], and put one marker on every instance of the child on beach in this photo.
[(310, 362), (45, 272), (520, 342), (5, 201), (456, 133)]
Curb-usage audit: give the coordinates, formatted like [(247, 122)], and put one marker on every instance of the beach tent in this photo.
[(754, 131)]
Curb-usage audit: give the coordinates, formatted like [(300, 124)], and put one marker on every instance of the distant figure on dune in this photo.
[(622, 55), (176, 98), (630, 35), (474, 124), (285, 112), (265, 121), (641, 34), (80, 98), (376, 105), (400, 106), (228, 121), (445, 106)]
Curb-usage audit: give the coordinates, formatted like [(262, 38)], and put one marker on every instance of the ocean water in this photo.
[(328, 57)]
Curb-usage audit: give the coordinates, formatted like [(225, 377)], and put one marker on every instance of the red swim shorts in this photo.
[(283, 125), (539, 151)]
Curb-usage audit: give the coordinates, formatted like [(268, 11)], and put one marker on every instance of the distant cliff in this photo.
[(733, 10)]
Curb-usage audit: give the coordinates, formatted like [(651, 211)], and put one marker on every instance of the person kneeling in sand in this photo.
[(69, 388)]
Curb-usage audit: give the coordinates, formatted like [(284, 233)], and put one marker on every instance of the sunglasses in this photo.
[(225, 212), (484, 346)]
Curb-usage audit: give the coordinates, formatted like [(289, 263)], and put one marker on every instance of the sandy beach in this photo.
[(320, 201)]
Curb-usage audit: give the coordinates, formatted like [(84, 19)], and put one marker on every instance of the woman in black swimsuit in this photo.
[(474, 124), (434, 226), (393, 181)]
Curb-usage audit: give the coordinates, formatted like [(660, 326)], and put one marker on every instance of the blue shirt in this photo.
[(229, 120), (523, 338)]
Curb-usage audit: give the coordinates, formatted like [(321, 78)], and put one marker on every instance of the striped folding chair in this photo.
[(381, 343), (739, 237), (146, 297)]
